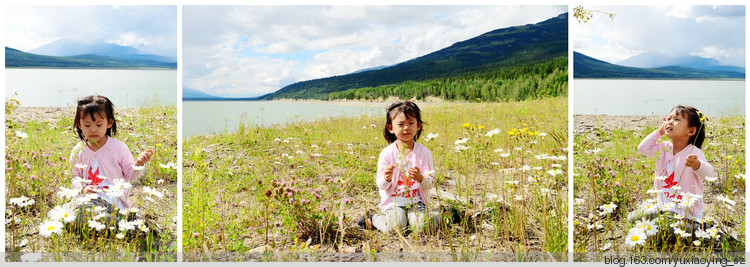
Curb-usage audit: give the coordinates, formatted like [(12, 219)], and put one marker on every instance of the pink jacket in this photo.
[(115, 161), (691, 180), (419, 157)]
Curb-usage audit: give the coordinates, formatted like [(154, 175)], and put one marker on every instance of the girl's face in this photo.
[(404, 128), (678, 126), (95, 130)]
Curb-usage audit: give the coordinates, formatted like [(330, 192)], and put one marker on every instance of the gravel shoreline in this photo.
[(585, 124), (48, 114)]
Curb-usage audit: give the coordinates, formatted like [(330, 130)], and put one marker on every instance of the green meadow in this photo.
[(294, 192)]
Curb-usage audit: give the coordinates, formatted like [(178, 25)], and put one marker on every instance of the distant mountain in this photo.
[(588, 67), (17, 59), (369, 69), (657, 60), (502, 48), (192, 94), (69, 48)]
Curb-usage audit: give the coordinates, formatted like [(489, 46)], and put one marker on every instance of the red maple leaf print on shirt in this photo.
[(94, 177), (670, 181)]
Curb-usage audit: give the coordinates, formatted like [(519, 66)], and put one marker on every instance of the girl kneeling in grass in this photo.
[(405, 174)]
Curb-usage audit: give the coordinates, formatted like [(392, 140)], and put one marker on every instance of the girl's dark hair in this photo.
[(695, 119), (409, 109), (95, 104)]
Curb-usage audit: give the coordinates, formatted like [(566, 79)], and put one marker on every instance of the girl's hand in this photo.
[(663, 125), (389, 172), (692, 162), (144, 157), (90, 189), (416, 174)]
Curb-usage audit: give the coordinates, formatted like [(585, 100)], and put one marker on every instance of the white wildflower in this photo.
[(608, 208), (492, 132), (67, 193), (96, 225), (49, 227), (636, 236), (21, 135), (649, 227), (461, 141), (431, 136), (153, 192)]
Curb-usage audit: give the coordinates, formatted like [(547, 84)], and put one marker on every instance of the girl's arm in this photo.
[(127, 164), (705, 169), (383, 164), (428, 173), (650, 145), (75, 158)]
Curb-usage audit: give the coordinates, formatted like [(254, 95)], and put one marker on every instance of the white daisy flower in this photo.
[(608, 208), (49, 227), (492, 132), (649, 227), (636, 236)]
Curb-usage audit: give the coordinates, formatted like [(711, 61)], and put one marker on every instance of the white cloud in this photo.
[(150, 28), (296, 43), (717, 32)]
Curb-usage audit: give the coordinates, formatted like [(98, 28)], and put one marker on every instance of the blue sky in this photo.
[(151, 29), (716, 32), (245, 51)]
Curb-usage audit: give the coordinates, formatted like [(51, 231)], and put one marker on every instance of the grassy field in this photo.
[(38, 144), (609, 170), (295, 192)]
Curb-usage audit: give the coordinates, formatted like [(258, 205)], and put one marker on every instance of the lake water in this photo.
[(63, 87), (207, 117), (648, 97)]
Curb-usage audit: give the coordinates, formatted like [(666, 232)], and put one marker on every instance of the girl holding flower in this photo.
[(405, 173)]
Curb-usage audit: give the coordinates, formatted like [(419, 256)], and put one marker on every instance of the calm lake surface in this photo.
[(648, 97), (62, 87), (208, 117)]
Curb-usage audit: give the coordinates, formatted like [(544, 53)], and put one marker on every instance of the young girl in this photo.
[(100, 159), (680, 161), (405, 172)]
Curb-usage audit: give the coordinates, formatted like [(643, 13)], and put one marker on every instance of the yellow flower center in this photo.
[(635, 238), (50, 228)]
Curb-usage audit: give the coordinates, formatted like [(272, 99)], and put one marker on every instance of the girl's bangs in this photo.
[(91, 109)]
